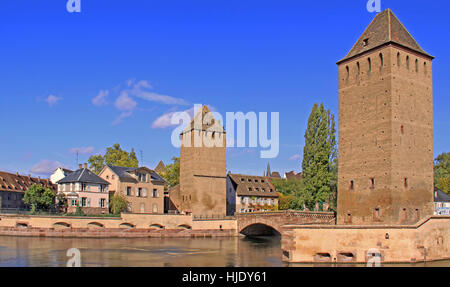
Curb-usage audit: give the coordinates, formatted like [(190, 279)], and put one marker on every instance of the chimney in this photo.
[(85, 165), (80, 165)]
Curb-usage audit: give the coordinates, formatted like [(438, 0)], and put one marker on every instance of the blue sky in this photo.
[(88, 80)]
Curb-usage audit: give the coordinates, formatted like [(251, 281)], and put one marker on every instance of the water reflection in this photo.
[(154, 252), (38, 251)]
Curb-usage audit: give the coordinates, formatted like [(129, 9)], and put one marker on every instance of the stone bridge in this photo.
[(270, 223)]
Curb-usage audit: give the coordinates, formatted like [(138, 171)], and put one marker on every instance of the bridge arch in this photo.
[(259, 229)]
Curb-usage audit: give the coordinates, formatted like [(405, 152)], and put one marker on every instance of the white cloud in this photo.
[(82, 150), (295, 157), (138, 90), (45, 167), (52, 100), (165, 120), (100, 99), (126, 105)]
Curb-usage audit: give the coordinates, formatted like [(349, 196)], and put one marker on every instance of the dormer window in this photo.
[(365, 42)]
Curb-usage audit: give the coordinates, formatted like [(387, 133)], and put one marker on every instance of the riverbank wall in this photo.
[(428, 240), (125, 226)]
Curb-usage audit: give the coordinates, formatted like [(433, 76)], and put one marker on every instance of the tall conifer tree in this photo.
[(319, 159)]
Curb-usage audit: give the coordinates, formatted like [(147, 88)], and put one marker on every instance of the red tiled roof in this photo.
[(20, 183)]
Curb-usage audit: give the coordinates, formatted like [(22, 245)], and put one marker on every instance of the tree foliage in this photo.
[(114, 155), (319, 166), (172, 173), (118, 203), (442, 172), (39, 197), (61, 200)]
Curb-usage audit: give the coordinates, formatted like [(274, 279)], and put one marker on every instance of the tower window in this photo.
[(359, 68), (377, 214), (365, 42), (407, 62), (417, 66), (381, 62), (372, 183), (402, 129), (405, 182), (398, 60), (348, 73), (370, 64), (425, 67), (352, 185)]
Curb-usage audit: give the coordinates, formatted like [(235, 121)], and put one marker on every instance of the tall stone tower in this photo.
[(385, 127), (203, 166)]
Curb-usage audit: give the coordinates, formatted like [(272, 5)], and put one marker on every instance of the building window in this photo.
[(405, 182), (425, 68), (417, 66), (102, 202), (381, 62), (398, 60), (262, 180), (407, 62), (155, 208), (128, 191), (372, 183), (112, 176), (155, 193), (365, 42), (359, 68), (377, 213), (369, 62), (352, 185), (347, 75), (83, 201)]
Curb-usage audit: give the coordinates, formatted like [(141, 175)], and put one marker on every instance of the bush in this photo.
[(118, 204)]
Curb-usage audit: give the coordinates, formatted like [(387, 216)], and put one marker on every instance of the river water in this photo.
[(176, 252)]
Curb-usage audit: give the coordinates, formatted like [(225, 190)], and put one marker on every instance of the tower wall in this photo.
[(203, 178), (385, 138)]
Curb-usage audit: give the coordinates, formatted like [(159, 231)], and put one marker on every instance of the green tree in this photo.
[(442, 172), (172, 173), (114, 155), (61, 201), (288, 186), (96, 163), (285, 201), (118, 203), (39, 197), (319, 164)]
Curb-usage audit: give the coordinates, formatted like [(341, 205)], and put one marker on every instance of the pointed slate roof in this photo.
[(83, 175), (384, 29)]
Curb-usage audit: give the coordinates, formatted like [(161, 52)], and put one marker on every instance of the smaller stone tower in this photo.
[(203, 166)]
